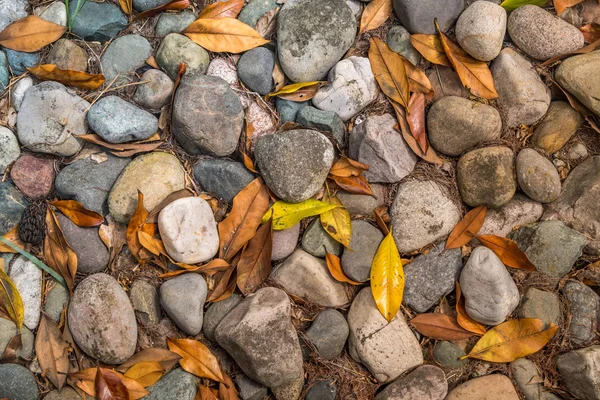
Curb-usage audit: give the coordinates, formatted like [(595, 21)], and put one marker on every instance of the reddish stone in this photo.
[(33, 176)]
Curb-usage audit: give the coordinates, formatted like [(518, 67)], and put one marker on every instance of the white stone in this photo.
[(17, 92), (224, 69), (55, 12), (351, 88), (28, 280), (520, 210), (480, 30), (9, 148)]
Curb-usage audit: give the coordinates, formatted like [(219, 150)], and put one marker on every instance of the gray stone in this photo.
[(417, 15), (144, 5), (493, 386), (290, 391), (376, 143), (27, 278), (183, 299), (584, 308), (55, 12), (448, 355), (92, 254), (578, 369), (558, 126), (216, 312), (223, 178), (541, 305), (8, 330), (12, 205), (19, 61), (578, 75), (316, 241), (456, 124), (123, 56), (50, 117), (57, 300), (9, 148), (480, 30), (284, 242), (255, 9), (526, 375), (537, 176), (398, 39), (4, 72), (117, 121), (523, 97), (424, 382), (175, 49), (306, 276), (98, 21), (255, 69), (577, 151), (327, 121), (362, 204), (17, 382), (431, 276), (520, 210), (207, 115), (176, 385), (322, 390), (328, 333), (427, 209), (145, 301), (12, 10), (364, 242), (173, 22), (288, 110), (445, 82), (66, 393), (65, 54), (312, 36), (551, 246), (157, 90), (489, 291), (250, 390), (17, 93)]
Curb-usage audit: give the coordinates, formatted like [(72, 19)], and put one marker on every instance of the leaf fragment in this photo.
[(591, 32), (337, 222), (146, 373), (389, 71), (507, 251), (562, 5), (440, 327), (387, 278), (254, 266), (511, 5), (126, 6), (52, 352), (123, 149), (77, 213), (78, 79), (30, 34), (166, 358), (58, 253), (418, 81), (285, 215), (10, 299), (375, 14), (346, 167), (109, 386), (196, 358), (335, 269), (222, 9), (430, 47), (171, 5), (416, 120), (13, 237), (137, 224), (224, 35), (467, 228)]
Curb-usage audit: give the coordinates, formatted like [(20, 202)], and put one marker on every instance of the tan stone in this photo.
[(490, 387)]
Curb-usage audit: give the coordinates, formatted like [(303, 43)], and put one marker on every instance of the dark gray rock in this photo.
[(541, 305), (98, 21), (123, 56), (578, 75), (584, 307), (250, 390), (398, 39), (117, 121), (448, 355), (362, 204), (425, 382), (19, 61), (17, 382), (173, 22), (176, 49), (144, 5), (216, 312), (255, 69), (537, 176), (322, 390), (417, 15), (255, 9), (12, 205), (327, 121), (524, 372), (364, 242), (176, 385), (288, 110), (57, 299), (328, 333), (92, 254), (183, 299), (223, 178), (316, 241), (578, 369), (145, 301)]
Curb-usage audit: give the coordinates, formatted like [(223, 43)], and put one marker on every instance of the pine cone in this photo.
[(32, 226)]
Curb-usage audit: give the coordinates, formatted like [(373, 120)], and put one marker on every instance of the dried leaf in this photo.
[(14, 344), (13, 237), (439, 327), (30, 34), (146, 373), (136, 224), (337, 222), (181, 70), (353, 184), (204, 393), (254, 266), (335, 269), (167, 359), (389, 71), (511, 5), (278, 77), (227, 389), (381, 212), (387, 278), (561, 5), (375, 14), (122, 149), (171, 5), (196, 358), (209, 269), (152, 244), (85, 380), (222, 9), (430, 47), (77, 213), (591, 32), (248, 163), (226, 284), (302, 94), (512, 339), (78, 79), (507, 251), (346, 167), (267, 24), (59, 255), (416, 120), (466, 228), (109, 386), (126, 6), (52, 352), (418, 81), (285, 215), (224, 35), (463, 318), (10, 299), (294, 88)]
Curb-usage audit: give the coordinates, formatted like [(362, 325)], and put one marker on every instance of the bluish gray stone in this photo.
[(56, 301), (447, 354), (315, 241), (173, 22), (224, 178), (4, 72), (183, 299), (255, 9), (12, 10), (322, 390), (584, 309), (9, 148), (92, 253), (12, 205), (117, 121), (176, 49), (417, 15), (398, 39), (216, 312), (250, 390), (176, 385), (123, 56), (328, 333), (19, 61), (328, 121), (98, 21), (255, 69), (17, 382), (288, 110), (144, 5), (364, 242)]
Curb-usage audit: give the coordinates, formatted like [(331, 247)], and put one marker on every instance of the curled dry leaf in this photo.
[(123, 149), (389, 71), (463, 318), (226, 283), (57, 252), (30, 34), (507, 251), (248, 163), (278, 77), (337, 222), (171, 5), (416, 120), (254, 266), (562, 5), (196, 358), (52, 352), (382, 219), (15, 344), (267, 24), (166, 358), (335, 269), (387, 278), (136, 224), (10, 299), (375, 13), (346, 167), (13, 237), (285, 215), (303, 93), (204, 393), (227, 390), (467, 228), (78, 79), (431, 48), (152, 244), (511, 5), (77, 213), (439, 327), (294, 87), (211, 268), (146, 373), (224, 35), (591, 32), (109, 386), (222, 9), (353, 184)]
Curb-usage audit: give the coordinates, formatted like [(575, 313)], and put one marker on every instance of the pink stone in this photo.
[(33, 176)]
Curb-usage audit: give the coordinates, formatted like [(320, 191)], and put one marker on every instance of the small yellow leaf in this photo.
[(286, 215), (294, 87), (387, 278), (224, 35), (11, 299), (337, 222)]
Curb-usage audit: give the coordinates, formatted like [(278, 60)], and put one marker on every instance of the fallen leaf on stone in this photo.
[(375, 14), (382, 219), (267, 24), (467, 228), (227, 390), (146, 373), (180, 194), (511, 5), (346, 167), (512, 339), (196, 359), (171, 5), (337, 222), (30, 34), (226, 282), (123, 149), (507, 251), (417, 79), (14, 345), (136, 224), (204, 393), (562, 5), (416, 120), (224, 35), (285, 215), (301, 94), (248, 163), (439, 327), (294, 87), (463, 318), (52, 352), (335, 269), (591, 32), (77, 213), (254, 266), (353, 184), (109, 386), (209, 269), (57, 252), (10, 299), (86, 381), (222, 9), (387, 278), (126, 6), (389, 71), (431, 48), (13, 237), (78, 79), (166, 358)]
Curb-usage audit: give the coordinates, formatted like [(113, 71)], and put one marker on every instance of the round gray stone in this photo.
[(328, 333), (123, 56), (98, 21), (398, 39), (357, 260), (92, 254), (447, 354), (223, 178), (176, 49), (173, 22), (480, 30), (183, 299), (17, 382), (156, 92), (117, 121), (255, 69)]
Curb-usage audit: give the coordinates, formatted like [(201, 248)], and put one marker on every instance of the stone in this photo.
[(260, 337), (12, 205), (98, 22), (66, 393), (183, 299), (424, 382), (223, 178), (176, 385), (322, 390), (92, 254), (489, 387), (17, 382), (578, 370), (173, 22), (156, 92), (386, 349), (376, 143), (431, 276), (145, 301), (362, 204), (447, 354), (427, 209), (101, 319), (523, 97), (284, 242), (145, 5), (577, 151), (155, 174), (175, 49), (255, 9), (225, 69), (352, 87), (312, 36), (255, 69), (528, 379), (250, 390), (578, 76), (27, 278), (551, 246), (8, 330), (260, 118), (480, 30), (57, 300), (50, 117), (584, 310), (364, 243), (65, 54), (89, 182), (417, 15), (216, 312), (542, 35), (456, 125), (541, 305), (207, 116), (290, 391), (445, 82), (327, 121), (398, 39), (558, 126), (12, 10), (4, 71), (9, 148), (316, 241), (520, 210), (537, 176), (306, 276), (328, 333), (19, 61), (123, 56), (294, 163), (486, 176), (489, 291), (55, 12), (288, 110), (17, 93), (33, 176)]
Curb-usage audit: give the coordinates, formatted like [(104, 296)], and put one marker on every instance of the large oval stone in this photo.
[(579, 75)]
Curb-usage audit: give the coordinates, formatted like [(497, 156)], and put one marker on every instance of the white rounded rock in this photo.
[(188, 230), (28, 280), (480, 30)]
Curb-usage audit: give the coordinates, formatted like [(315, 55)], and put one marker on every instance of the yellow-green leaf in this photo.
[(286, 215), (294, 87), (511, 5), (337, 222), (387, 278), (11, 299)]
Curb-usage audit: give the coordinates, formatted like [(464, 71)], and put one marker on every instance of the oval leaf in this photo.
[(286, 215), (10, 298), (166, 358), (440, 327), (223, 9), (294, 87), (57, 252), (171, 5), (335, 269), (507, 251), (430, 47), (467, 228), (346, 167), (82, 80), (389, 71), (254, 266), (416, 120), (196, 358), (375, 14), (30, 34), (77, 213), (387, 278), (146, 373), (224, 35), (52, 352), (337, 222)]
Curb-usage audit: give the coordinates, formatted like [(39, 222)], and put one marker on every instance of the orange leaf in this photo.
[(167, 359), (209, 269), (463, 318), (346, 167), (353, 184), (417, 80), (248, 163), (380, 213), (59, 255), (77, 213), (507, 251), (126, 6), (52, 352), (466, 228), (196, 358), (136, 224), (146, 373), (82, 80), (375, 14), (123, 149), (254, 266), (227, 390), (13, 236), (430, 47), (222, 9), (562, 5), (440, 327), (226, 284), (171, 5), (416, 120), (30, 34), (85, 380), (302, 94), (335, 269), (109, 386), (224, 35), (389, 71)]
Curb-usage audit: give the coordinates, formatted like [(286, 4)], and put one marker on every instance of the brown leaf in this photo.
[(86, 381), (335, 269), (416, 120), (146, 373), (278, 77), (181, 70), (439, 327), (123, 149), (254, 266), (52, 352), (380, 218), (389, 71), (562, 5), (591, 32), (196, 358), (224, 35), (57, 252), (226, 284), (430, 47), (126, 6), (180, 194), (375, 14), (204, 393), (267, 24), (507, 251), (113, 236), (136, 224), (12, 236), (466, 228), (78, 79), (14, 345), (227, 389), (30, 34), (353, 184), (417, 79), (109, 386), (463, 318), (248, 163), (346, 167), (171, 5), (77, 213), (222, 9), (166, 358), (211, 268)]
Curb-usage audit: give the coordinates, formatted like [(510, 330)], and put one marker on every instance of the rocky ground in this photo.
[(527, 155)]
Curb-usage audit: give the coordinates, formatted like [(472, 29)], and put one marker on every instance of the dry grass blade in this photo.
[(59, 255), (78, 79), (224, 35), (439, 327), (431, 48), (463, 318), (467, 228), (171, 5), (77, 213), (335, 269), (166, 358), (223, 9), (10, 299), (375, 14), (196, 358), (123, 149), (30, 34), (416, 120), (507, 251), (52, 352), (254, 266), (389, 71)]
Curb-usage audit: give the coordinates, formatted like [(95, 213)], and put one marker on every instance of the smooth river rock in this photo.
[(480, 30), (537, 176), (579, 76), (418, 15)]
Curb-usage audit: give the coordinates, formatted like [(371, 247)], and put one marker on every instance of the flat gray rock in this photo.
[(541, 305), (584, 309), (92, 253), (315, 241), (328, 121), (98, 21), (176, 49), (526, 375), (255, 69), (223, 178), (364, 243), (183, 299), (328, 333), (123, 56), (520, 210)]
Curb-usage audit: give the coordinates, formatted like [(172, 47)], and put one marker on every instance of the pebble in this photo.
[(156, 92), (57, 299), (489, 387), (183, 299), (398, 39), (207, 102), (144, 5), (489, 291), (176, 385), (17, 382), (520, 210), (175, 49), (284, 242), (447, 354), (294, 163), (480, 30), (12, 10), (9, 148), (456, 125), (558, 126), (216, 312), (537, 176), (362, 204), (92, 254), (523, 97), (12, 205), (445, 82), (578, 75), (19, 61), (17, 93), (322, 390), (255, 69), (145, 301), (101, 319), (288, 110), (66, 393), (431, 276), (579, 371), (541, 305), (260, 337), (155, 174), (225, 69), (486, 176), (255, 9), (316, 241), (417, 15), (424, 382), (376, 143), (8, 330), (577, 151), (584, 310), (65, 54), (526, 375), (173, 22), (4, 71), (312, 36), (427, 209), (364, 243), (33, 176), (223, 178), (123, 56), (98, 22), (327, 121), (352, 87), (250, 390), (27, 277), (387, 353), (305, 276), (551, 246), (55, 12), (328, 333), (49, 117)]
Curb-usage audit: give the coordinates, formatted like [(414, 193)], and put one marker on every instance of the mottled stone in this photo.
[(183, 299), (17, 92), (398, 39), (175, 49), (65, 54), (145, 301), (362, 204), (255, 69), (9, 148), (579, 371), (173, 22), (12, 10), (480, 30), (255, 9), (558, 126), (489, 387), (364, 242), (223, 178), (17, 382), (327, 121), (526, 375), (98, 21), (520, 210), (424, 382), (33, 176), (19, 61), (584, 309), (328, 333), (12, 205), (541, 305), (537, 176)]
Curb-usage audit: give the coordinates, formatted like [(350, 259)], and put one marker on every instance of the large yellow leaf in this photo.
[(430, 47), (30, 34), (196, 358), (387, 278), (286, 215), (375, 14), (337, 222), (222, 9), (512, 339), (79, 79), (11, 299), (389, 71), (224, 35), (466, 228)]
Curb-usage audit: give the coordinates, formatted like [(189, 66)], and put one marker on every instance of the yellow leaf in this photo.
[(196, 358), (146, 373), (430, 47), (511, 5), (375, 14), (224, 35), (387, 278), (294, 87), (11, 299), (30, 34), (286, 215), (512, 339), (337, 222), (82, 80), (126, 6), (389, 71)]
